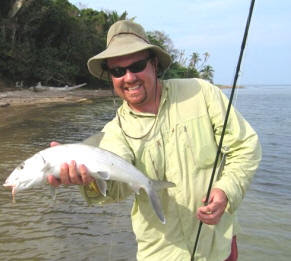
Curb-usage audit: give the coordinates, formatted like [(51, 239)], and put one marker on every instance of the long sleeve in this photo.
[(240, 144)]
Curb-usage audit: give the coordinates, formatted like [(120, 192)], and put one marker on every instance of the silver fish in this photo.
[(101, 164)]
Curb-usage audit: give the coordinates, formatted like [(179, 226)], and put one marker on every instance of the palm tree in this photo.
[(207, 73), (206, 56), (194, 60)]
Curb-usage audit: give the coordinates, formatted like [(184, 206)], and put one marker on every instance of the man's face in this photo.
[(138, 89)]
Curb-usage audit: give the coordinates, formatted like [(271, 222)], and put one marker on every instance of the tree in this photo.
[(51, 40), (207, 73), (163, 40), (194, 60)]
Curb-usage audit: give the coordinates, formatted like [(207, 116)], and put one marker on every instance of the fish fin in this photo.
[(99, 186), (159, 184), (156, 185), (53, 192), (103, 175), (156, 204)]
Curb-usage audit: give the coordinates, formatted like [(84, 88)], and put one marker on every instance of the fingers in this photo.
[(86, 178), (53, 181), (65, 175), (74, 176), (71, 175), (212, 212)]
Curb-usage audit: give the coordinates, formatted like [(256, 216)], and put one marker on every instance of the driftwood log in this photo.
[(39, 87)]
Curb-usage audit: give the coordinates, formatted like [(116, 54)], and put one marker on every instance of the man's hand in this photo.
[(211, 213), (69, 174)]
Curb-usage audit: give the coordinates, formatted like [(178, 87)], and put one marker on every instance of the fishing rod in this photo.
[(243, 44)]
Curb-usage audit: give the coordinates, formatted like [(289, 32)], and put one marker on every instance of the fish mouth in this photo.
[(8, 186), (13, 192)]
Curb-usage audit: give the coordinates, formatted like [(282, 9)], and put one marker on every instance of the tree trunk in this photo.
[(15, 8)]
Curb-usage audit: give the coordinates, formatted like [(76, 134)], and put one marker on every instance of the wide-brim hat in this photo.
[(126, 37)]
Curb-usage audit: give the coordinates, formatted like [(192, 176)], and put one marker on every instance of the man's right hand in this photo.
[(70, 174)]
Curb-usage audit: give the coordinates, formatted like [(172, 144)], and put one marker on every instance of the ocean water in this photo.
[(36, 228), (265, 214)]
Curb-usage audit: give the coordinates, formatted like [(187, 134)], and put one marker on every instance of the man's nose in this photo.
[(129, 76)]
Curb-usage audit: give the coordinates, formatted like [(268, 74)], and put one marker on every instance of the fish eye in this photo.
[(21, 166)]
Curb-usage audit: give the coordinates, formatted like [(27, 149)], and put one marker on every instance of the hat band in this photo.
[(128, 33)]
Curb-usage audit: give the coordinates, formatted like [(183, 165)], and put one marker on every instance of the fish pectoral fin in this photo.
[(102, 186), (53, 192), (104, 175), (159, 184)]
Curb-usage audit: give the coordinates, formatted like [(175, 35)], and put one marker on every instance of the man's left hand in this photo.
[(212, 212)]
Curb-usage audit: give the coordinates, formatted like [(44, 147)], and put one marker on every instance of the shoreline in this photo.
[(26, 97), (15, 104)]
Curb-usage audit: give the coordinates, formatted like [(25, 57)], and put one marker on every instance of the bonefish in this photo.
[(101, 164)]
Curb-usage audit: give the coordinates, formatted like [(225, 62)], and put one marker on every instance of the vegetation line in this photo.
[(50, 41)]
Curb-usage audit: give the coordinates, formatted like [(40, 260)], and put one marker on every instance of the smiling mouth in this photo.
[(132, 88)]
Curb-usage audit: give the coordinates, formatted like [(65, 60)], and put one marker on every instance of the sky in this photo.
[(217, 27)]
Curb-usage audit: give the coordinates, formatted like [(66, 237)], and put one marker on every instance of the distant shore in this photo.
[(15, 103), (27, 97), (12, 97)]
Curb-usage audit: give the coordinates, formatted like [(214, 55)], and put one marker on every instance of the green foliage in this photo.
[(195, 68), (50, 41)]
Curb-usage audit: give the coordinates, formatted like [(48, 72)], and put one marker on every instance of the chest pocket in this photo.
[(199, 143), (151, 159)]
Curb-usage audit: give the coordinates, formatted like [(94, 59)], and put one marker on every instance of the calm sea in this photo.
[(36, 228)]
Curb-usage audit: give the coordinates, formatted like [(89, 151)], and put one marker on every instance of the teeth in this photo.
[(133, 88)]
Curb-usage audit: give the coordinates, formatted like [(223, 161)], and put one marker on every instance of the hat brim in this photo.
[(121, 46)]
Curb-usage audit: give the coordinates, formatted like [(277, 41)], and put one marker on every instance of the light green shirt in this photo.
[(181, 147)]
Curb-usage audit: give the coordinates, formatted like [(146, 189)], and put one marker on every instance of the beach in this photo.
[(15, 103)]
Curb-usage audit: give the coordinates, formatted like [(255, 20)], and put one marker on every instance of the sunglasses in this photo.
[(135, 67)]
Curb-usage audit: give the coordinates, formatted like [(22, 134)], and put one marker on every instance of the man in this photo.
[(170, 130)]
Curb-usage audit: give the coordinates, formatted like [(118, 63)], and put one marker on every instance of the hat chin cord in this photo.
[(154, 123)]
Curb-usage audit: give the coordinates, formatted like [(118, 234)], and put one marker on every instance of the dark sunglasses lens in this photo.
[(138, 66), (118, 71), (134, 68)]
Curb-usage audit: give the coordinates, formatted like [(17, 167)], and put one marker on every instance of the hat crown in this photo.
[(124, 27)]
